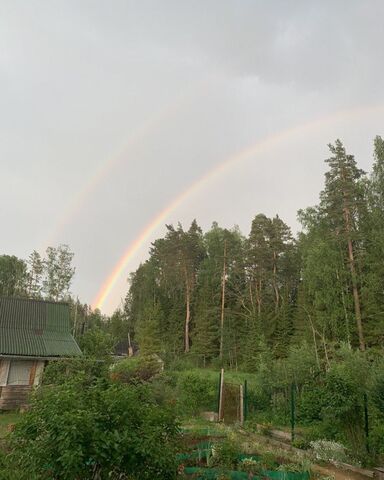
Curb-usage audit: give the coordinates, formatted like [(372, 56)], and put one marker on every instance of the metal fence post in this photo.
[(366, 422), (218, 396)]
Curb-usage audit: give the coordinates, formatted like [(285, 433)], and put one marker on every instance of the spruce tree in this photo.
[(341, 200)]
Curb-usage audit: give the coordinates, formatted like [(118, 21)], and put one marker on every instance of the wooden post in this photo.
[(32, 373), (221, 394), (241, 392), (130, 349), (245, 414)]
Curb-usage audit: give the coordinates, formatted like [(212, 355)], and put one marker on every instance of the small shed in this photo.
[(32, 332)]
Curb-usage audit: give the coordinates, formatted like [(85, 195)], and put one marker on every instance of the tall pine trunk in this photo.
[(352, 268), (274, 283), (187, 313), (356, 298), (223, 301)]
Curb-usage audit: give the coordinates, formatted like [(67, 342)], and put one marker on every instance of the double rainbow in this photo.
[(253, 150)]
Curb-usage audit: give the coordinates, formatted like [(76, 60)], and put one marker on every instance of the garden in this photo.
[(95, 419)]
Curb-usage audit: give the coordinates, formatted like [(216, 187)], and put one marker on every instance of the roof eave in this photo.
[(39, 357)]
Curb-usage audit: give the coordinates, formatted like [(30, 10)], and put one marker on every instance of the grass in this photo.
[(7, 418)]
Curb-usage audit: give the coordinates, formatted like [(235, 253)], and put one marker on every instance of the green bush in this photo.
[(82, 370), (96, 343), (109, 430), (226, 454), (310, 403), (346, 384), (376, 441), (196, 392), (136, 370)]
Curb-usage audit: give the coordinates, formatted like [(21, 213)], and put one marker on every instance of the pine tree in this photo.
[(148, 334), (178, 256), (372, 291), (340, 201)]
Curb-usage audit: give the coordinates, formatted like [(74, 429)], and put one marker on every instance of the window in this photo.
[(19, 372)]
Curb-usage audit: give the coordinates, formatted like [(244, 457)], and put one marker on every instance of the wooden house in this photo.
[(32, 332)]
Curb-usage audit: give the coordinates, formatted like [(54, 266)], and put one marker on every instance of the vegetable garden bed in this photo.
[(204, 460)]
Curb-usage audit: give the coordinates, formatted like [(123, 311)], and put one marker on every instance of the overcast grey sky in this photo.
[(110, 109)]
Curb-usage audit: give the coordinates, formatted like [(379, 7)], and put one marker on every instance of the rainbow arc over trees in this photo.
[(259, 147)]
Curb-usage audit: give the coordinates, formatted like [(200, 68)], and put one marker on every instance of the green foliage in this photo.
[(58, 272), (136, 369), (96, 343), (196, 393), (148, 332), (73, 432), (376, 441), (83, 371), (226, 453), (38, 277), (13, 276)]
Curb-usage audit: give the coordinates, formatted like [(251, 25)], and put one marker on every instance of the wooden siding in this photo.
[(14, 397)]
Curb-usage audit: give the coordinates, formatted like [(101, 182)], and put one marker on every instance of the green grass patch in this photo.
[(7, 418)]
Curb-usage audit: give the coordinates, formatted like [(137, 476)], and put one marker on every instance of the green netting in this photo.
[(212, 474), (278, 475)]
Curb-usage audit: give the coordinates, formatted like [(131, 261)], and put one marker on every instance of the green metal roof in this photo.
[(35, 328)]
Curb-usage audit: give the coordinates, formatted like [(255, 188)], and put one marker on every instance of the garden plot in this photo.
[(215, 455)]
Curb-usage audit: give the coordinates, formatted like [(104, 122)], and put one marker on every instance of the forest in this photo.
[(301, 314), (225, 298)]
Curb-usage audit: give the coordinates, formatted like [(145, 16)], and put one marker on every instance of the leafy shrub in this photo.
[(96, 343), (164, 391), (81, 370), (226, 453), (136, 370), (196, 392), (343, 397), (301, 443), (377, 389), (376, 441), (109, 430), (311, 403), (7, 469)]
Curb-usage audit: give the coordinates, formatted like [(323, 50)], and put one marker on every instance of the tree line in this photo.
[(49, 277), (40, 277), (223, 297)]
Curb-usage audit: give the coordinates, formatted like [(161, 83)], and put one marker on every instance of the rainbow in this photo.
[(255, 149)]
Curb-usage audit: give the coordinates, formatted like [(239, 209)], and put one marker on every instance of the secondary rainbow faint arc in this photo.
[(138, 134), (258, 147)]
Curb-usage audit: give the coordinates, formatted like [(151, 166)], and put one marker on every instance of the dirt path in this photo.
[(339, 474)]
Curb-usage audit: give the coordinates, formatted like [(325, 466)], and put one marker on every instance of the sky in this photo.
[(119, 117)]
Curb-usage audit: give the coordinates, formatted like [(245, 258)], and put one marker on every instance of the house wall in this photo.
[(17, 378)]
